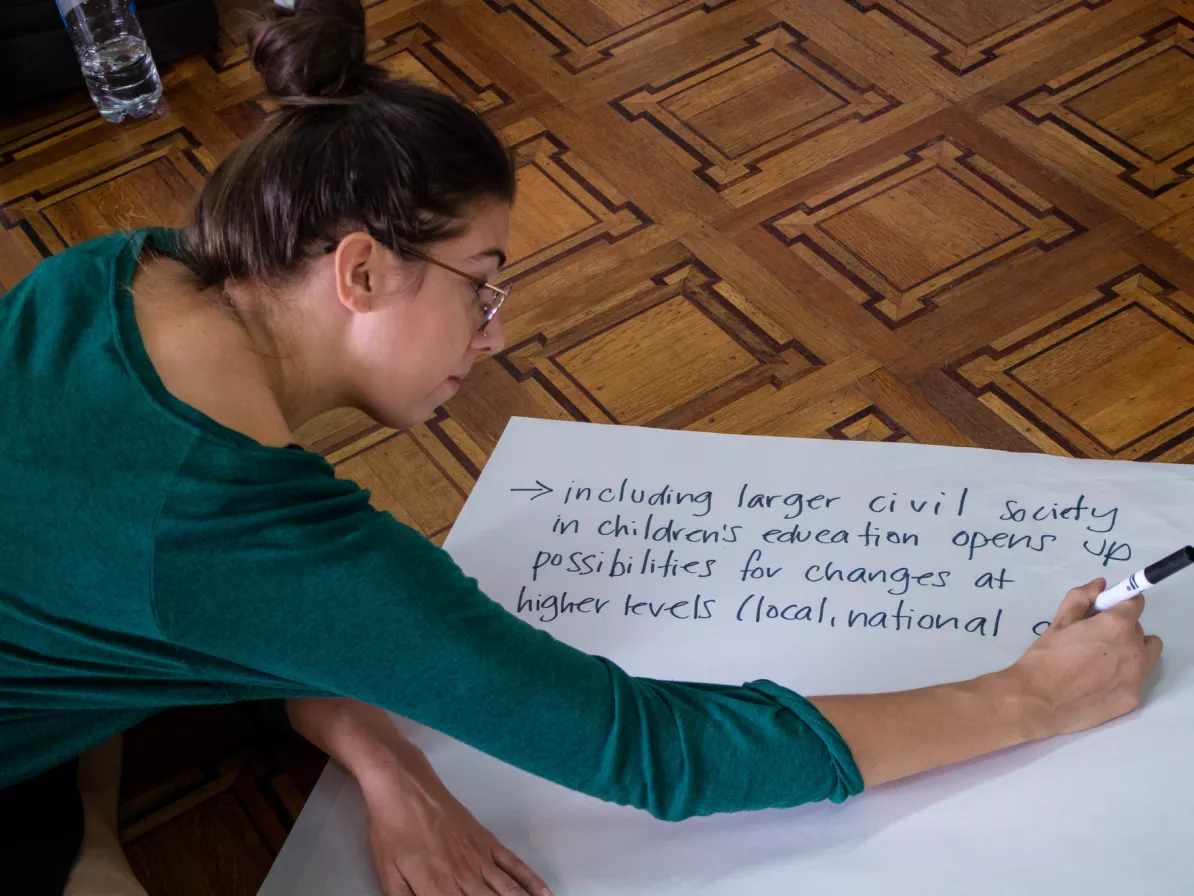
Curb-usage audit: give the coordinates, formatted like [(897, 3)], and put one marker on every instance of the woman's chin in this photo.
[(398, 418), (408, 417)]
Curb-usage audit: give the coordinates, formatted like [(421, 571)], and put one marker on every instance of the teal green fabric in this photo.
[(150, 558)]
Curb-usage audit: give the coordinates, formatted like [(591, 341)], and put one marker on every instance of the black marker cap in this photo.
[(1164, 568)]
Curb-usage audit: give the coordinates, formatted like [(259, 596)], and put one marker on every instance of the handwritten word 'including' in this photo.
[(624, 493)]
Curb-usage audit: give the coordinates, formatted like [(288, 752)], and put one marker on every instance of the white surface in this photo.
[(1092, 813)]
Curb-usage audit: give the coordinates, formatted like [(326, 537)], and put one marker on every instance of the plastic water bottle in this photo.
[(117, 66)]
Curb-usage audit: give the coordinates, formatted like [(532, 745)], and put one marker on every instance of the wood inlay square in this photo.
[(1111, 374), (902, 236)]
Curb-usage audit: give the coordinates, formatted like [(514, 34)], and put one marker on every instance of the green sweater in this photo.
[(150, 557)]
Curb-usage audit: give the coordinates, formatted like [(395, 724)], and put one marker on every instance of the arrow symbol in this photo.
[(539, 492)]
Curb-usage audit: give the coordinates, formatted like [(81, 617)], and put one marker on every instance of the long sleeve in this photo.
[(294, 579)]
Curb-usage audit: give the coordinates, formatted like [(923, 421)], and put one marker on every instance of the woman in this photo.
[(163, 542)]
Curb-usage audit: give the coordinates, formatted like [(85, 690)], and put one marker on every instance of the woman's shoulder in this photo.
[(101, 249), (83, 261)]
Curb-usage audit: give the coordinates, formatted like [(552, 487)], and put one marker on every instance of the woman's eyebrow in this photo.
[(493, 253)]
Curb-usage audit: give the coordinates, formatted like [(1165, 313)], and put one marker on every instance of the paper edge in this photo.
[(304, 836)]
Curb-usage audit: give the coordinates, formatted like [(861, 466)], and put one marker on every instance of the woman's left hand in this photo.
[(426, 843)]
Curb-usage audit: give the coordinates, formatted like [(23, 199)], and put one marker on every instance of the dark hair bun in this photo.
[(314, 51)]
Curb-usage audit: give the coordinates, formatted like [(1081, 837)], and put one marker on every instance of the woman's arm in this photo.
[(360, 737), (1073, 677), (892, 735)]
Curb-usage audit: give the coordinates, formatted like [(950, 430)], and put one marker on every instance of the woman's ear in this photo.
[(358, 263)]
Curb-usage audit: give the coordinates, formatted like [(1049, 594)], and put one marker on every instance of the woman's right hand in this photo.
[(1080, 673), (1086, 670)]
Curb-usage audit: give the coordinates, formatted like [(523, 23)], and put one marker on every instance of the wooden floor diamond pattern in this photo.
[(903, 236), (963, 223), (965, 39), (725, 116)]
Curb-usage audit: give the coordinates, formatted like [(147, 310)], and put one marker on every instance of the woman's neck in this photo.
[(223, 359)]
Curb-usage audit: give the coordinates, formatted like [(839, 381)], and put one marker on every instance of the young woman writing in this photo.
[(164, 543)]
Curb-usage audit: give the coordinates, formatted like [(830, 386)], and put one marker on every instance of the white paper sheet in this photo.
[(1106, 811)]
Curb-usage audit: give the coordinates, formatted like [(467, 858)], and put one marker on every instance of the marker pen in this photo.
[(1146, 578)]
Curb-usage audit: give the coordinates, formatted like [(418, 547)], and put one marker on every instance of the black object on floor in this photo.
[(41, 830)]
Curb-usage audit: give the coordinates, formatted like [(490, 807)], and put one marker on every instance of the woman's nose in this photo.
[(490, 340)]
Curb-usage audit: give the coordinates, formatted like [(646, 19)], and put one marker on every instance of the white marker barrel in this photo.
[(1145, 578), (1129, 587)]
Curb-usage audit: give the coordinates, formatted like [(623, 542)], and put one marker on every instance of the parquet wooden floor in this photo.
[(962, 222)]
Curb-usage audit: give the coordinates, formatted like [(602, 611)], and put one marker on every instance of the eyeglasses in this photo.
[(491, 296)]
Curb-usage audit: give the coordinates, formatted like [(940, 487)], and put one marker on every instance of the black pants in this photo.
[(41, 830)]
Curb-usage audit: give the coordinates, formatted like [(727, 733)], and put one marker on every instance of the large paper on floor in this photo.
[(829, 567)]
